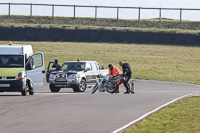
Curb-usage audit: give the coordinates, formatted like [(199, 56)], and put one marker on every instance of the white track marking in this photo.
[(147, 114)]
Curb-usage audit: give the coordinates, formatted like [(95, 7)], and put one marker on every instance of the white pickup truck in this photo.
[(76, 75)]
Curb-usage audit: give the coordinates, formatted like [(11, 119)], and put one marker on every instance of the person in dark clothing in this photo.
[(127, 73), (56, 65)]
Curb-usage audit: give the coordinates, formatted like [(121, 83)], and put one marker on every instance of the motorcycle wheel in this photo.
[(95, 88), (114, 88)]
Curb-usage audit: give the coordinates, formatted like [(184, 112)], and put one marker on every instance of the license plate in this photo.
[(4, 85), (60, 79)]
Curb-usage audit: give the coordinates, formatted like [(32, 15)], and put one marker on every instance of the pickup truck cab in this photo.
[(75, 75), (20, 69)]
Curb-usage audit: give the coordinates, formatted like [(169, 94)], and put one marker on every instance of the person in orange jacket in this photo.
[(113, 71)]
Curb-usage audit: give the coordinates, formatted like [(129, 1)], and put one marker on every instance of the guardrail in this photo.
[(97, 7), (100, 35)]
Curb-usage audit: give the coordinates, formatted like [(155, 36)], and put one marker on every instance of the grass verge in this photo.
[(151, 62), (102, 23), (180, 117)]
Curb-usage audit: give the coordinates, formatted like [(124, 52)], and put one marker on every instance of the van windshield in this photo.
[(73, 66), (11, 61)]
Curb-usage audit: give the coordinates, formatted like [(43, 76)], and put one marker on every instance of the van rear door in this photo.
[(35, 69)]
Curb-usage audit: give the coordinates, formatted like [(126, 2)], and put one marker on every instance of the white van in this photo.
[(20, 69)]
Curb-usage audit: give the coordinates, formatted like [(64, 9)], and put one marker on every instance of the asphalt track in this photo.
[(69, 112)]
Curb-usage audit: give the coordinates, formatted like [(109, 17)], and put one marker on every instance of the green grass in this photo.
[(181, 117), (84, 23), (151, 62)]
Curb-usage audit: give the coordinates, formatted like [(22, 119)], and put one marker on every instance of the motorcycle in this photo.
[(107, 83)]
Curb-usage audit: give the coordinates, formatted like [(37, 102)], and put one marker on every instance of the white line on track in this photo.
[(147, 114)]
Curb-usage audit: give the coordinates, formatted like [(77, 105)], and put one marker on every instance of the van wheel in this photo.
[(24, 92), (82, 86), (53, 88), (30, 88)]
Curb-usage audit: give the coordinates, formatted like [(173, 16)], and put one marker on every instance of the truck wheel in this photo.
[(24, 92), (30, 88), (53, 88), (82, 86)]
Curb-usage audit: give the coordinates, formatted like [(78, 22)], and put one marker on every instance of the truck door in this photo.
[(48, 72), (94, 72), (35, 69), (89, 72)]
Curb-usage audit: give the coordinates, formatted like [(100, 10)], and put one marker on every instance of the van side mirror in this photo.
[(28, 66)]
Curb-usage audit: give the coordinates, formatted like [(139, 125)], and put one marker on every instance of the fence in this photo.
[(90, 35), (98, 7)]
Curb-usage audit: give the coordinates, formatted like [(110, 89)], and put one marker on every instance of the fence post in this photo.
[(52, 11), (95, 12), (31, 10), (9, 9), (74, 11), (180, 15), (160, 15), (139, 14), (117, 13)]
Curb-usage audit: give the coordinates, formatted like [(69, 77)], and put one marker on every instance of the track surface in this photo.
[(69, 112)]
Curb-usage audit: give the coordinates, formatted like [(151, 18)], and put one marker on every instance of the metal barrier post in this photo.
[(160, 15), (117, 13), (74, 11), (139, 14), (9, 9), (180, 15), (31, 10), (95, 12), (52, 11)]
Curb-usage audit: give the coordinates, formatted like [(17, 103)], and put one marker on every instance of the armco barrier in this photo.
[(69, 35), (132, 37), (180, 38), (5, 33), (156, 37), (118, 36), (144, 37), (30, 34), (168, 38), (17, 33), (55, 34), (82, 35), (192, 39), (94, 35), (90, 35), (43, 34), (106, 36)]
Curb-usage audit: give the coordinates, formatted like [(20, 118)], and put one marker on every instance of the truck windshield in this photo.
[(73, 66), (11, 61)]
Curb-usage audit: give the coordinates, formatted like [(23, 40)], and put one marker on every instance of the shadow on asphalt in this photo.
[(8, 95)]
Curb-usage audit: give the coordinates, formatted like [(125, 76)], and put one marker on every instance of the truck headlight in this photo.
[(51, 76), (73, 76)]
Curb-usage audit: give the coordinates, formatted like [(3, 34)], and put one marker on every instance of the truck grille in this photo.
[(7, 77), (61, 79), (60, 75), (10, 77)]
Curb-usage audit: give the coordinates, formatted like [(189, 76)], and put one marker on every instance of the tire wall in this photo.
[(94, 35)]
